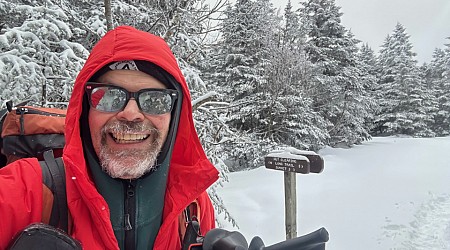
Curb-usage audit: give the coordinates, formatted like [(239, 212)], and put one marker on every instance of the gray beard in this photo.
[(129, 164)]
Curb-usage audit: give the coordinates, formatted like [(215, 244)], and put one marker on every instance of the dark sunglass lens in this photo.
[(155, 102), (108, 99)]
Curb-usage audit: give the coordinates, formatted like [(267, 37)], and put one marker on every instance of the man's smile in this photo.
[(128, 138)]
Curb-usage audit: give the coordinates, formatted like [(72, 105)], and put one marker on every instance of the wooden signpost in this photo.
[(292, 161), (287, 162)]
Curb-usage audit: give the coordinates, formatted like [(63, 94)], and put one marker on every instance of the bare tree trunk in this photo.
[(108, 15)]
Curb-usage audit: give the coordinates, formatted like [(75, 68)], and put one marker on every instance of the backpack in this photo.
[(28, 131)]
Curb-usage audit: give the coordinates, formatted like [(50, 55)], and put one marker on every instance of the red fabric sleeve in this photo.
[(20, 197), (207, 220)]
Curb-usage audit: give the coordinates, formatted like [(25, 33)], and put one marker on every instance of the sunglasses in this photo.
[(110, 98)]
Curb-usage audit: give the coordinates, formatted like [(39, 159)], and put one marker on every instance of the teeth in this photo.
[(124, 138)]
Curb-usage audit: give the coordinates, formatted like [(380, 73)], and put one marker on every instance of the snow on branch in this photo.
[(203, 99)]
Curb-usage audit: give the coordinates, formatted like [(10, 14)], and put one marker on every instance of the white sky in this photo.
[(426, 21), (388, 193)]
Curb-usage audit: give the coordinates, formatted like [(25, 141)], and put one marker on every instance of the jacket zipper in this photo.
[(130, 215)]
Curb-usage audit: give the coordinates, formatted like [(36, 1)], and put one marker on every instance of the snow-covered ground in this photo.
[(388, 193)]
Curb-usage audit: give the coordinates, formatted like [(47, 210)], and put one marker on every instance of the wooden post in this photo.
[(290, 204)]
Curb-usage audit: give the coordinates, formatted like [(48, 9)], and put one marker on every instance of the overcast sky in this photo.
[(426, 21)]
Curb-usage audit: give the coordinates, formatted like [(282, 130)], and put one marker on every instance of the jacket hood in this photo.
[(190, 172)]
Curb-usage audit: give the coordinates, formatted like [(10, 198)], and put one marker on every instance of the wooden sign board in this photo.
[(287, 162), (316, 162), (293, 160)]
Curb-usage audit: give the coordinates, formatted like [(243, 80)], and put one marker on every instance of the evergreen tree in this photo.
[(336, 89), (237, 72), (406, 103), (287, 116), (291, 32), (367, 64), (438, 75), (243, 41)]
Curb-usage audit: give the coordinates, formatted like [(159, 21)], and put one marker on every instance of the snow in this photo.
[(388, 193), (287, 155)]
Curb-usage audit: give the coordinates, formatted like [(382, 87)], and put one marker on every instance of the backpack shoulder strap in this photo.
[(189, 226), (53, 177)]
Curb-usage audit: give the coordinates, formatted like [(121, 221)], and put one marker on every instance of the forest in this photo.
[(261, 78)]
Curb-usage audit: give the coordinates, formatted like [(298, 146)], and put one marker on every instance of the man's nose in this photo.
[(131, 112)]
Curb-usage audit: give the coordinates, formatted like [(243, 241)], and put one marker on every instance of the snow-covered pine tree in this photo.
[(438, 78), (336, 88), (237, 50), (38, 54), (291, 33), (239, 63), (287, 117), (367, 63), (405, 101), (349, 126)]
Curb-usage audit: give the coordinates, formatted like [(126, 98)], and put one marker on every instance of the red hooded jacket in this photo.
[(190, 172)]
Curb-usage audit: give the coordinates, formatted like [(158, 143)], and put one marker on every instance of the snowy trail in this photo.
[(386, 194), (430, 228)]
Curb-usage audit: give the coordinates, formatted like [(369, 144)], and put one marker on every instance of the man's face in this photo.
[(128, 142)]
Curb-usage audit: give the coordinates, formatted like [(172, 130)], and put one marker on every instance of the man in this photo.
[(133, 159)]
